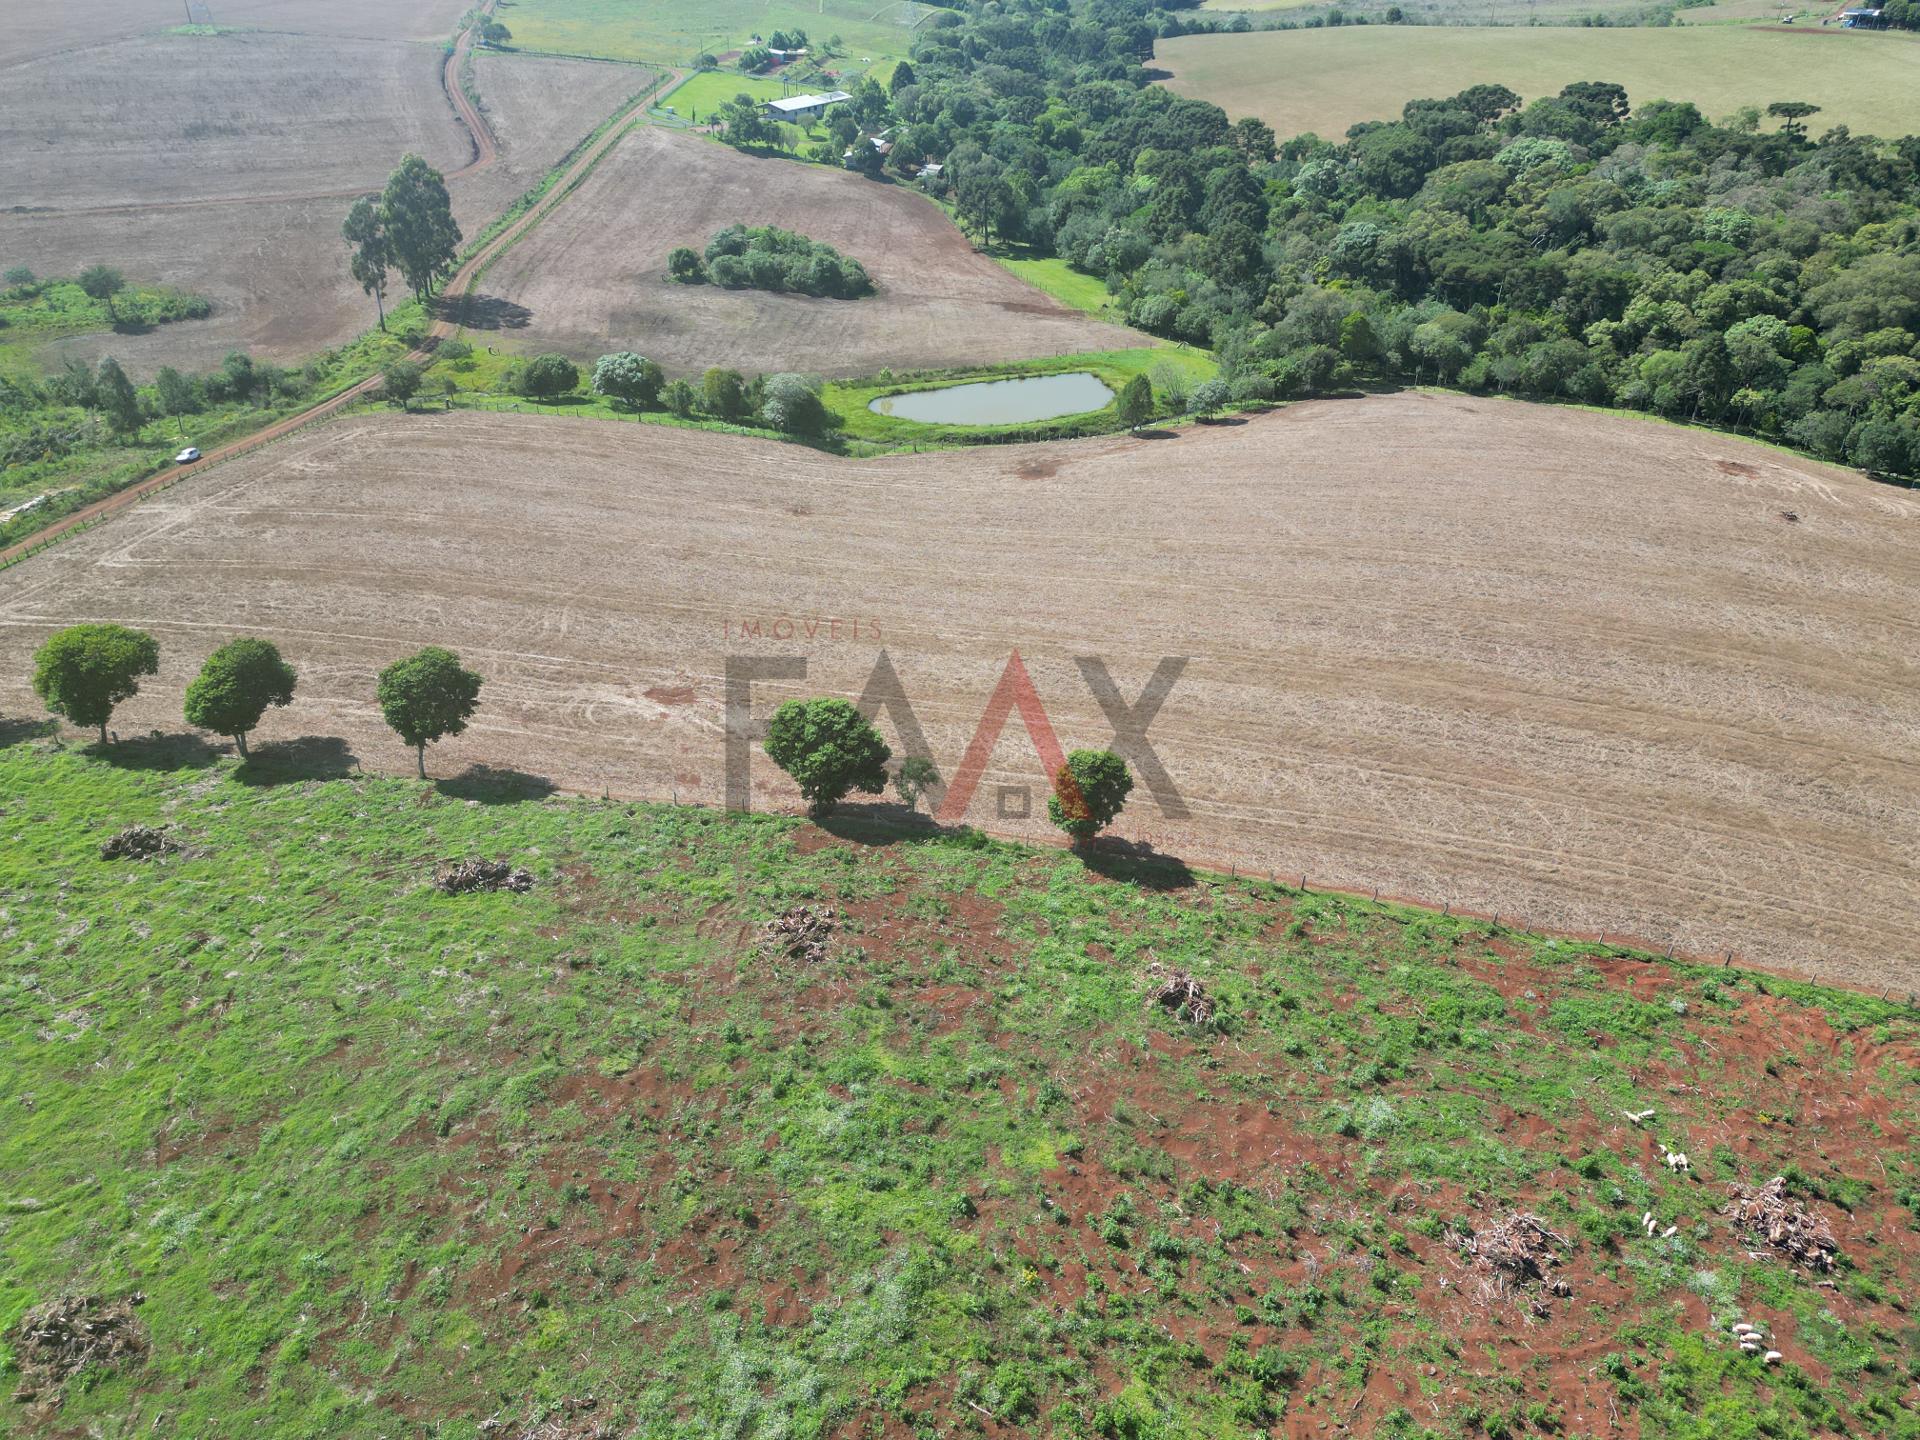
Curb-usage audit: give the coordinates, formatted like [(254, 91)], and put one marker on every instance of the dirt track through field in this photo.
[(1583, 671)]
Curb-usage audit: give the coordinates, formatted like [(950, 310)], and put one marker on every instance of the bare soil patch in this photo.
[(594, 275), (1543, 663)]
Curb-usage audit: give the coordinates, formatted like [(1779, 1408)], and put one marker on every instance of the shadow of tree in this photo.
[(16, 732), (310, 757), (156, 751), (495, 785), (485, 312), (1136, 863), (891, 823)]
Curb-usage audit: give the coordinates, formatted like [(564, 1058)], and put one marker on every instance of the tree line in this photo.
[(85, 671), (825, 745), (1740, 272)]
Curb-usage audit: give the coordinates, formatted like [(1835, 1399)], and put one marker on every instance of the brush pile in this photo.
[(470, 876), (61, 1338), (1768, 1213), (799, 933), (138, 842), (1179, 992), (1519, 1252)]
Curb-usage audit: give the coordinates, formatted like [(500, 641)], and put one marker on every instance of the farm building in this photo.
[(1863, 19), (805, 107)]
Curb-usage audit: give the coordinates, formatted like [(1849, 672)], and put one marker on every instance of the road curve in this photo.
[(485, 150), (461, 285)]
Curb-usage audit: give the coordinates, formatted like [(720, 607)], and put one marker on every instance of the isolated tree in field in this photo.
[(916, 778), (1135, 405), (724, 393), (422, 236), (1088, 792), (631, 379), (366, 231), (400, 382), (427, 697), (86, 670), (1208, 397), (1791, 113), (792, 405), (492, 32), (176, 395), (546, 376), (235, 687), (103, 282), (116, 397), (830, 749)]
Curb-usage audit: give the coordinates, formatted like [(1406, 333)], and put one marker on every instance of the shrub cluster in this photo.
[(765, 257)]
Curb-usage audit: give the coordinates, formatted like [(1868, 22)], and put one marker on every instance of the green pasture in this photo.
[(1325, 80), (388, 1162), (672, 32)]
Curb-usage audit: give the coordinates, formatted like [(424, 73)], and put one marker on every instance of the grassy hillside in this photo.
[(387, 1162), (1326, 80)]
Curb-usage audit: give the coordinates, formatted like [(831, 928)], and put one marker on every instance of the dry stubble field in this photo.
[(593, 275), (1559, 665), (266, 116)]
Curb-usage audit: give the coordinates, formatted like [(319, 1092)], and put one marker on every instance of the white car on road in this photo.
[(186, 456)]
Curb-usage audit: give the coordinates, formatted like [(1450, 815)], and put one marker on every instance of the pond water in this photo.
[(1000, 402)]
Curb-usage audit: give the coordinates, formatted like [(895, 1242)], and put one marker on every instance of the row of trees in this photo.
[(408, 227), (85, 671), (788, 403), (826, 745), (830, 750)]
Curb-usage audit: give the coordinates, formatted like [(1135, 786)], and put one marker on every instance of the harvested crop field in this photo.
[(1325, 80), (35, 30), (593, 279), (276, 269), (242, 115), (1602, 674)]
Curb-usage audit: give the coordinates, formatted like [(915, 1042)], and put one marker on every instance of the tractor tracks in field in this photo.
[(455, 298)]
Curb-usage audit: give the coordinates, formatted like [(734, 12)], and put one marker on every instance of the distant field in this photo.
[(593, 277), (275, 269), (1326, 80), (672, 32)]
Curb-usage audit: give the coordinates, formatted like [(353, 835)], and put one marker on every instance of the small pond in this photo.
[(1000, 402)]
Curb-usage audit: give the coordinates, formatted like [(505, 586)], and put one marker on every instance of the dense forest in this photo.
[(1742, 271)]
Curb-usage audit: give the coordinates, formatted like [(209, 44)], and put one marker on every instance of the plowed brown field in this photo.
[(593, 277), (1557, 665), (194, 177)]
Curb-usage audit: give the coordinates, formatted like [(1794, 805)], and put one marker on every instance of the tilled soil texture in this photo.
[(35, 30), (268, 137), (1569, 668), (593, 277), (218, 116)]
